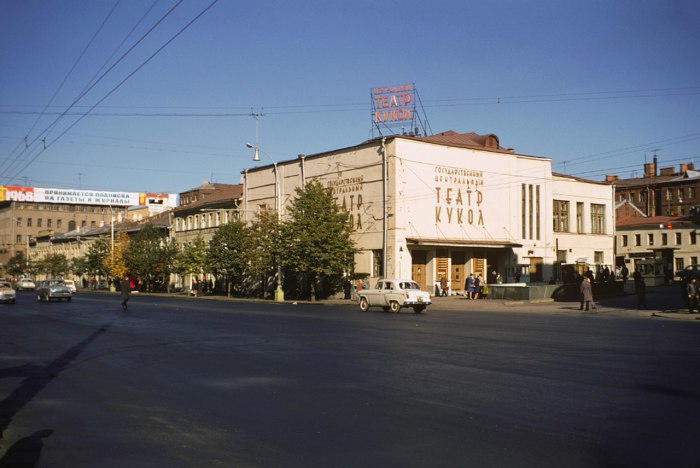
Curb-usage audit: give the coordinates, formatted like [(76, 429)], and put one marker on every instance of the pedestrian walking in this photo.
[(443, 286), (125, 290), (586, 293), (692, 291), (640, 289)]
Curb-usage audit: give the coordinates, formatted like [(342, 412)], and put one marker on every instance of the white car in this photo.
[(393, 294), (70, 284), (24, 283), (7, 294)]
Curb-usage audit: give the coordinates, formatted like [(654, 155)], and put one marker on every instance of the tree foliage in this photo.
[(96, 257), (192, 257), (54, 265), (17, 265), (316, 239), (149, 256), (228, 253), (114, 262)]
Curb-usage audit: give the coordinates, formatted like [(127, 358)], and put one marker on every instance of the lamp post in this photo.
[(279, 292)]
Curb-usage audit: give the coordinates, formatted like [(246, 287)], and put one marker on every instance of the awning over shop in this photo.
[(493, 244)]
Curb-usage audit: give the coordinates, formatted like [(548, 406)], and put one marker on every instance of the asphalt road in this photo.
[(189, 382)]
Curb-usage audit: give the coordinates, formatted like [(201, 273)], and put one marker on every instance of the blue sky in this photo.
[(594, 85)]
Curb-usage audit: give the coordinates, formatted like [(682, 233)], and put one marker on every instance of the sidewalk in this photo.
[(664, 302)]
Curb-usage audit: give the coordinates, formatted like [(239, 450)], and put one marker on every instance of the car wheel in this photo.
[(364, 304), (394, 307), (418, 309), (69, 299)]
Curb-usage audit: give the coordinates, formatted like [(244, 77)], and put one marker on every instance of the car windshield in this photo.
[(409, 285), (4, 284), (55, 283)]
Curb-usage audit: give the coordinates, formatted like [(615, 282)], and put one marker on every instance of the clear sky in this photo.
[(596, 85)]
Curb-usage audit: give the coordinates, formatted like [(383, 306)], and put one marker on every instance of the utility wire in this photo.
[(90, 87), (65, 78)]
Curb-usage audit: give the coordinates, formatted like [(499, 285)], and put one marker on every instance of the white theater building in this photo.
[(450, 204)]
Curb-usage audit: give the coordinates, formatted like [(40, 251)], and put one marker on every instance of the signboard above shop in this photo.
[(86, 197)]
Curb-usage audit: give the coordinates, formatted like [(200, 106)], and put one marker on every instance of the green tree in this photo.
[(316, 239), (149, 256), (79, 266), (192, 258), (17, 265), (96, 257), (228, 254), (265, 247), (54, 265)]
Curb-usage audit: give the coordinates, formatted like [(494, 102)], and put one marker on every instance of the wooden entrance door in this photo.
[(418, 263), (457, 272), (536, 269)]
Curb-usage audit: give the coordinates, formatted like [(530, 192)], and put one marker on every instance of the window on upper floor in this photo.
[(637, 240), (650, 239), (561, 216), (597, 218)]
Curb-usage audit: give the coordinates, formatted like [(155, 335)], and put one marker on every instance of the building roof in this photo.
[(489, 142), (216, 199), (652, 221), (580, 179)]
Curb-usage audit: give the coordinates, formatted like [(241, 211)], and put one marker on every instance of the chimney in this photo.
[(650, 169), (666, 171), (684, 169), (611, 178), (691, 166)]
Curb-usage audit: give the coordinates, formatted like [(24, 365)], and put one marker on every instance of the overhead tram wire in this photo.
[(60, 87), (183, 29), (90, 87)]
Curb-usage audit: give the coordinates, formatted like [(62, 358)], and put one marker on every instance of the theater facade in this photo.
[(449, 205)]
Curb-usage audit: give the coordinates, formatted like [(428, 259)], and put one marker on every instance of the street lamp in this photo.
[(279, 292)]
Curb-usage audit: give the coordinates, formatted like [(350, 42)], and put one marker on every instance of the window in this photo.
[(579, 217), (49, 223), (637, 240), (691, 193), (19, 239), (624, 240), (664, 238), (650, 239), (29, 222), (59, 223), (693, 260), (669, 194), (38, 222), (679, 238), (680, 193), (598, 258), (679, 264), (561, 216), (19, 221), (693, 238), (83, 223), (377, 263), (597, 219), (642, 197)]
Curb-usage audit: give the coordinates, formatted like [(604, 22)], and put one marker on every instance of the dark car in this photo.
[(53, 289), (687, 273)]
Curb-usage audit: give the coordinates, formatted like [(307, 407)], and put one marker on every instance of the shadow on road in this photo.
[(25, 453), (36, 378)]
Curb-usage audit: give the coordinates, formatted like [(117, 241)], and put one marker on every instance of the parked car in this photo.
[(71, 285), (7, 294), (393, 294), (687, 273), (24, 284), (53, 289)]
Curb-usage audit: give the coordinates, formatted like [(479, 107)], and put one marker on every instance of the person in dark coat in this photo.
[(640, 289), (586, 293), (125, 288)]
